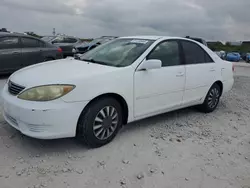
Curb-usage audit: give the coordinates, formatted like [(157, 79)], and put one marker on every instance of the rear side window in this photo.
[(9, 42), (30, 43), (194, 54)]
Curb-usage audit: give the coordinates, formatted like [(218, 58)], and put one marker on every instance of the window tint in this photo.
[(30, 43), (167, 52), (194, 54), (8, 42), (41, 44)]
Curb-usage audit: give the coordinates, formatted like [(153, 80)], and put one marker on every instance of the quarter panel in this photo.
[(119, 81)]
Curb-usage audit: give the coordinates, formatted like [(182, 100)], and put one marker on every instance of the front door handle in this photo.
[(212, 70), (15, 52), (180, 74)]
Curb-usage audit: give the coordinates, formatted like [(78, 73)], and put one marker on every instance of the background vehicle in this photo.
[(146, 76), (18, 51), (221, 54), (84, 47), (233, 56), (66, 43), (248, 57), (200, 40)]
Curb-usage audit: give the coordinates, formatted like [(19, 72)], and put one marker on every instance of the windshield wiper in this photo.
[(94, 61)]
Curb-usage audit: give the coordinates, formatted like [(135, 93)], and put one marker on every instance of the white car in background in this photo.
[(124, 80)]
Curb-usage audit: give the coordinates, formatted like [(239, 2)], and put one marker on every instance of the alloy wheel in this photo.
[(105, 122), (213, 98)]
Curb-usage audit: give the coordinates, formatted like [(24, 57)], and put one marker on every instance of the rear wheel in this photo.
[(100, 122), (212, 99)]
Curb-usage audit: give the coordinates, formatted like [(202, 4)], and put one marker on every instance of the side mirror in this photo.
[(150, 64)]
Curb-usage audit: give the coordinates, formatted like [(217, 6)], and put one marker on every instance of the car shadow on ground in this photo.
[(34, 146)]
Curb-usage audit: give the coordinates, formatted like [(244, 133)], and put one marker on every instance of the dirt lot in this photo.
[(182, 149)]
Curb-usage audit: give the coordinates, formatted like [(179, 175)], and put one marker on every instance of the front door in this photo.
[(10, 54), (158, 90)]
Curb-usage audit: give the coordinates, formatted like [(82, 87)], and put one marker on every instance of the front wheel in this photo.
[(100, 122), (212, 99)]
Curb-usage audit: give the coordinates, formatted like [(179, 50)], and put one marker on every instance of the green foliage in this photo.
[(33, 34), (218, 46)]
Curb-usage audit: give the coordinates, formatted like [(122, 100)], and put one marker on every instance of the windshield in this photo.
[(117, 53), (48, 38)]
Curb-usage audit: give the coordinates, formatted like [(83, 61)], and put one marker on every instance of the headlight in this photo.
[(74, 50), (45, 93)]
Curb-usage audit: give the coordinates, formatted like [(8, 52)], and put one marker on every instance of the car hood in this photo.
[(67, 71)]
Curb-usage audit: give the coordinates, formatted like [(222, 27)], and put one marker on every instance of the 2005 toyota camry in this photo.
[(124, 80)]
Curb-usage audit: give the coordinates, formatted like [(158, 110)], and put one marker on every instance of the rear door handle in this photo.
[(15, 52), (180, 74), (212, 70)]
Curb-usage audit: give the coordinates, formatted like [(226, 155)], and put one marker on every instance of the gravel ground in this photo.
[(180, 149)]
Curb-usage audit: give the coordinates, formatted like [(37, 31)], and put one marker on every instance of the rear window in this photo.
[(48, 38)]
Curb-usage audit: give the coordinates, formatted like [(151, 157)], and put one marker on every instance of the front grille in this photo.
[(14, 88)]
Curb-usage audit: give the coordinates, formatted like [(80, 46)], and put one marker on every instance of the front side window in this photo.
[(117, 53), (29, 42), (8, 42), (167, 52), (194, 54)]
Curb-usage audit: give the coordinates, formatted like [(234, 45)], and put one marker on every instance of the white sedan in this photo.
[(127, 79)]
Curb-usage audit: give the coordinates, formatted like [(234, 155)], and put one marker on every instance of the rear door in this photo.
[(10, 53), (31, 51), (201, 72)]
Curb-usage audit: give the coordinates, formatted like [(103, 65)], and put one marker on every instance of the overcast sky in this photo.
[(210, 19)]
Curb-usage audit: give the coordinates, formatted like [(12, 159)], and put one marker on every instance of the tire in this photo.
[(89, 127), (212, 99)]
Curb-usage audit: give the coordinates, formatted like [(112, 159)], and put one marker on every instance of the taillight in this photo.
[(59, 50)]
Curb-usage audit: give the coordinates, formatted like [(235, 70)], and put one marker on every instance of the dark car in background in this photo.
[(66, 43), (200, 40), (19, 50), (84, 47)]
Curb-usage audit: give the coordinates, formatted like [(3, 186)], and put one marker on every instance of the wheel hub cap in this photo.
[(213, 97), (105, 122)]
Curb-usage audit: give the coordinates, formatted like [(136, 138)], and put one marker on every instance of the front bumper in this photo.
[(43, 120)]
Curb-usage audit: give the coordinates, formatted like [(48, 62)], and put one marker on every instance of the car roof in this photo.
[(16, 35), (12, 34), (145, 37)]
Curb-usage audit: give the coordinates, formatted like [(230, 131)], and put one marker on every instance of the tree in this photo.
[(3, 30), (31, 33)]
